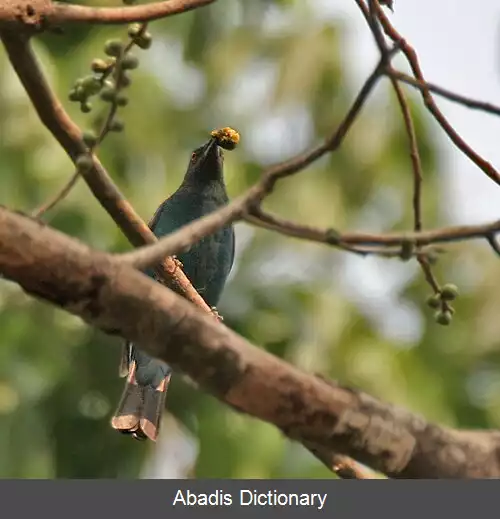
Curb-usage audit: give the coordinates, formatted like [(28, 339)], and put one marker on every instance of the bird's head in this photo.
[(206, 162)]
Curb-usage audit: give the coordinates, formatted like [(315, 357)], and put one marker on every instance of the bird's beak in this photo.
[(211, 157), (211, 150)]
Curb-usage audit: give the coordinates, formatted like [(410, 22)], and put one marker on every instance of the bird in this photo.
[(207, 265)]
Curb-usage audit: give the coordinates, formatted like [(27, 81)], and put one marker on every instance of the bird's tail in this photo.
[(141, 406)]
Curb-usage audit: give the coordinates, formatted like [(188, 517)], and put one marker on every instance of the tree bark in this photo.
[(119, 300)]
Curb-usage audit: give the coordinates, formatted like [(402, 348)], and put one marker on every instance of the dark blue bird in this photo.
[(207, 265)]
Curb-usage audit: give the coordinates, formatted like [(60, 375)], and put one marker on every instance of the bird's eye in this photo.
[(193, 157)]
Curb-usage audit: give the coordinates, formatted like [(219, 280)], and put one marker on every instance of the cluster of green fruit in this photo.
[(108, 79), (440, 301)]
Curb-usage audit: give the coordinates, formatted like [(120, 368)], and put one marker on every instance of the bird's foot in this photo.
[(327, 380), (177, 264), (217, 315)]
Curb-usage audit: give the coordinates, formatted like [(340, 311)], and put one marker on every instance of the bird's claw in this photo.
[(217, 315), (178, 262)]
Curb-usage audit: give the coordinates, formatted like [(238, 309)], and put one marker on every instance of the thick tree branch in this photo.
[(29, 15), (331, 421), (58, 122), (122, 301)]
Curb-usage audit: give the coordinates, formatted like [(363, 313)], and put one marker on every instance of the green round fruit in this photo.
[(84, 163), (443, 317), (113, 48), (434, 301), (89, 138), (449, 292), (130, 62)]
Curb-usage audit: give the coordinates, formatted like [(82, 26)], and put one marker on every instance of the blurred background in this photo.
[(283, 73)]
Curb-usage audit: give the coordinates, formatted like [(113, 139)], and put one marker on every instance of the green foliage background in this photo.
[(315, 307)]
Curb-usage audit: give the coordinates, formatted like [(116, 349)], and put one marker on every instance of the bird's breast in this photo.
[(208, 262)]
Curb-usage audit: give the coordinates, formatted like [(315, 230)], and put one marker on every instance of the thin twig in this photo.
[(342, 240), (442, 235), (408, 122), (331, 237), (447, 94), (412, 57), (116, 70), (414, 152), (493, 243), (60, 195), (343, 466), (414, 155), (429, 276)]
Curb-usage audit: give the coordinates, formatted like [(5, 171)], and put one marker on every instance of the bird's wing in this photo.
[(171, 206), (154, 220), (233, 252), (125, 359)]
